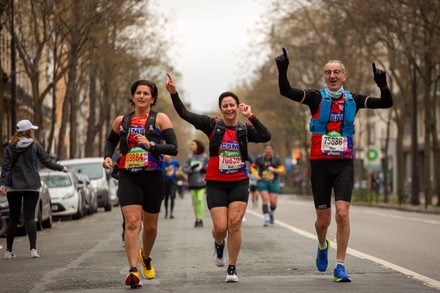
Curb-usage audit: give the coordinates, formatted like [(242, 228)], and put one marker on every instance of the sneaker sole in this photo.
[(231, 279), (133, 281), (341, 280)]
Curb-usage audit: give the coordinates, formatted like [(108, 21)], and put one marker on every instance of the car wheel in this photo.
[(49, 221), (79, 212), (85, 207), (108, 206)]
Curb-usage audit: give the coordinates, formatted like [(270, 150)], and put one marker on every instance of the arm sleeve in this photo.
[(201, 122), (287, 91), (385, 100), (110, 144), (170, 147), (257, 132)]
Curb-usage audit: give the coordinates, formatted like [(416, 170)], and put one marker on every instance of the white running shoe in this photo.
[(231, 275), (9, 255), (219, 259), (34, 253)]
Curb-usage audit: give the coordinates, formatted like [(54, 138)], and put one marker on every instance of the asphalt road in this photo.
[(86, 256)]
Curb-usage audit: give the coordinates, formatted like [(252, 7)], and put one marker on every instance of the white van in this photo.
[(99, 177)]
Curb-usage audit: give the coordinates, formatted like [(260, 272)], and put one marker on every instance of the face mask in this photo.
[(334, 95)]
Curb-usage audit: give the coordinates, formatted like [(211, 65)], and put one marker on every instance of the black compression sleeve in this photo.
[(110, 144), (170, 148), (182, 111)]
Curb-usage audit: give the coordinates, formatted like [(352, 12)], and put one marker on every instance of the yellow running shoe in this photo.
[(147, 266), (133, 278)]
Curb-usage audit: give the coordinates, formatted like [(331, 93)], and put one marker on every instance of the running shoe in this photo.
[(339, 274), (322, 257), (34, 253), (218, 254), (271, 218), (133, 278), (9, 255), (147, 266), (266, 220), (231, 275)]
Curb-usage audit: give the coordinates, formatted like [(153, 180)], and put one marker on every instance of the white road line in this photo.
[(426, 280), (401, 217)]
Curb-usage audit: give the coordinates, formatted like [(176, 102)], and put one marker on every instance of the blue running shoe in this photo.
[(322, 258), (339, 274)]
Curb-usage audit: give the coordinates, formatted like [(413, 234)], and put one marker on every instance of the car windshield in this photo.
[(57, 181), (92, 170)]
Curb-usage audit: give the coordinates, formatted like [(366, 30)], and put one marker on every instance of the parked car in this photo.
[(43, 211), (67, 196), (98, 176), (89, 193)]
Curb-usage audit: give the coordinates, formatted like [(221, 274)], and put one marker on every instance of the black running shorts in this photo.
[(145, 188), (221, 194), (328, 175)]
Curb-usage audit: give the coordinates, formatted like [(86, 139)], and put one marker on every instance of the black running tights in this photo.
[(29, 199)]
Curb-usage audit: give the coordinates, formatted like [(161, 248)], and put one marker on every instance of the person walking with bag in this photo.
[(21, 183)]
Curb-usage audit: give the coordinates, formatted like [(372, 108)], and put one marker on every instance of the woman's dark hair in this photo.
[(150, 84), (227, 94), (200, 146)]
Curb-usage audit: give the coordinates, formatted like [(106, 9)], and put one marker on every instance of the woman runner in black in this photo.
[(227, 179), (143, 140)]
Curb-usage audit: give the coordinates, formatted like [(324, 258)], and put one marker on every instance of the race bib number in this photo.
[(169, 171), (334, 145), (137, 157), (230, 162), (268, 175)]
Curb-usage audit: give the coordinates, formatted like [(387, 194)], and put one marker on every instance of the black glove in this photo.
[(282, 61), (380, 77), (194, 166)]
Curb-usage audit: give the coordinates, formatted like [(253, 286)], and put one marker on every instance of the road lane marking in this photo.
[(426, 280), (434, 222)]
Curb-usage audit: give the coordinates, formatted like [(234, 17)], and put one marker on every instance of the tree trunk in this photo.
[(91, 132), (435, 145)]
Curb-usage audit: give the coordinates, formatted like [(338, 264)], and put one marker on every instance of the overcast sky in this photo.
[(212, 38)]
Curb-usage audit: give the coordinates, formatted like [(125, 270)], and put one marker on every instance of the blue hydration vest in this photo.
[(319, 125)]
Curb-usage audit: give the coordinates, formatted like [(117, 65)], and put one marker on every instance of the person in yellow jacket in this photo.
[(267, 169)]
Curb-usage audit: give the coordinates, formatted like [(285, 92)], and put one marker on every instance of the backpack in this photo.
[(219, 132), (319, 125), (150, 131)]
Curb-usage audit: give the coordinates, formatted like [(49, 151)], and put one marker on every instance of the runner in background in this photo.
[(171, 168), (195, 168), (267, 169)]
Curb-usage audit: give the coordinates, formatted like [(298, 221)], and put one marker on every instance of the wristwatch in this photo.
[(152, 146)]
